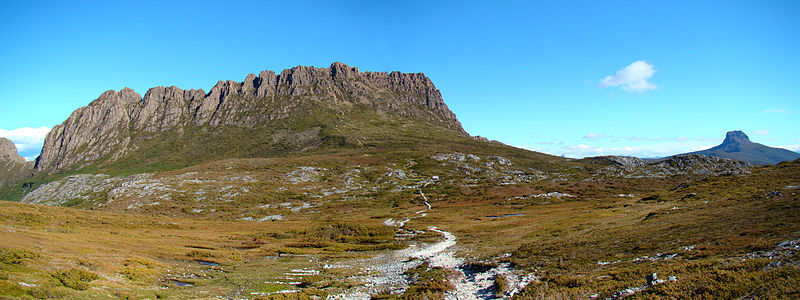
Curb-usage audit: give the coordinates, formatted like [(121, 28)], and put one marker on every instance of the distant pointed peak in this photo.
[(736, 136)]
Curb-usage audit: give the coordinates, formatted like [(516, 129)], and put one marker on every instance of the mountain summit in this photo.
[(736, 134), (300, 109), (738, 146)]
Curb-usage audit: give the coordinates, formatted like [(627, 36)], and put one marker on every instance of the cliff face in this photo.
[(8, 152), (12, 165), (107, 128)]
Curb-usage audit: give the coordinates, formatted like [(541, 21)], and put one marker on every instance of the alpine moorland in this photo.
[(338, 183)]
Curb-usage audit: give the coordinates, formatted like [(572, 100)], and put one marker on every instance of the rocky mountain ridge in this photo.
[(107, 128)]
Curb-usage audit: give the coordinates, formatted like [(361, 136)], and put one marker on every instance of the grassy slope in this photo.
[(139, 256), (103, 243), (561, 240), (723, 218), (12, 175)]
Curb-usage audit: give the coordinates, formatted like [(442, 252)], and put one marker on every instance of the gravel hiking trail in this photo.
[(384, 273)]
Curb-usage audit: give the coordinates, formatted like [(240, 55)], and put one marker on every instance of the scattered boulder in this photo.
[(651, 279)]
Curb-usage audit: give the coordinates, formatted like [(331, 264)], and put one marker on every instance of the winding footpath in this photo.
[(385, 271)]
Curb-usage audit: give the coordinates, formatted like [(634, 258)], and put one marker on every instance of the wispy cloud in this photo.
[(28, 140), (592, 136), (651, 150), (598, 144), (795, 148), (775, 111), (761, 132), (598, 136), (633, 78)]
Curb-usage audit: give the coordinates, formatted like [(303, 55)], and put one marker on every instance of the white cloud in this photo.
[(28, 140), (795, 148), (761, 132), (775, 110), (633, 78), (646, 151), (592, 135)]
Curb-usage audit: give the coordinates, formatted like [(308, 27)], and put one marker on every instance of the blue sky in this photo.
[(574, 78)]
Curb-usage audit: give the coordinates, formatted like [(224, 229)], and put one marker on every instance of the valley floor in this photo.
[(441, 225)]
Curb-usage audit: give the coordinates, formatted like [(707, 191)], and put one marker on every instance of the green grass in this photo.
[(728, 218), (10, 256), (76, 278)]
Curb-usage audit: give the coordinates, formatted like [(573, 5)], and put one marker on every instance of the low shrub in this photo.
[(16, 256), (76, 278)]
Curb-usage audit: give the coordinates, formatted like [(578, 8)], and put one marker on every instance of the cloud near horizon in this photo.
[(597, 136), (592, 135), (761, 132), (598, 144), (653, 147), (795, 148), (633, 78), (644, 151), (28, 140)]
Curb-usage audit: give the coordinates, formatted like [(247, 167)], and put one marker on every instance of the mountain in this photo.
[(8, 152), (738, 146), (300, 109), (12, 165)]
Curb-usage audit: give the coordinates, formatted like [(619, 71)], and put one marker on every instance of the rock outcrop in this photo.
[(625, 161), (689, 164), (12, 165), (107, 128), (700, 165), (8, 152)]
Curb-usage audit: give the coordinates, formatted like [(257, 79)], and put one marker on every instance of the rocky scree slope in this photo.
[(116, 124), (738, 146), (259, 188)]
